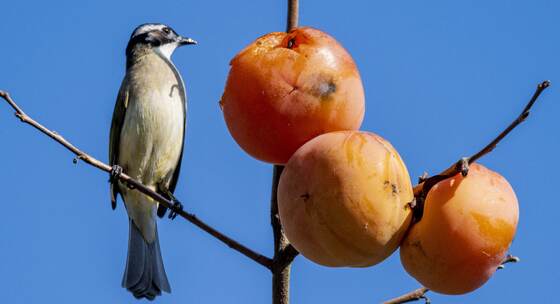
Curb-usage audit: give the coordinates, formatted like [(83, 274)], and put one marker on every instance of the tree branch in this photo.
[(293, 15), (425, 183), (462, 166), (415, 295), (132, 183), (284, 252), (521, 118)]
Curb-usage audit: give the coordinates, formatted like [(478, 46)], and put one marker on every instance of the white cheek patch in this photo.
[(167, 49)]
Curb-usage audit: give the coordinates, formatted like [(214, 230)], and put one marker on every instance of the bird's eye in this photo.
[(166, 30)]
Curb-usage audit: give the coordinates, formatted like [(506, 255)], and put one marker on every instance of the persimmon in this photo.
[(343, 199), (466, 229), (286, 88)]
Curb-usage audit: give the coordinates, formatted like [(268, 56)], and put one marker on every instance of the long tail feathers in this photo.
[(144, 274)]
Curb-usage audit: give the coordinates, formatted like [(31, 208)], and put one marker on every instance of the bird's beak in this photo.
[(186, 41)]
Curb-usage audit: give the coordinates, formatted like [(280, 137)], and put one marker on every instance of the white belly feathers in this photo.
[(151, 137), (152, 134)]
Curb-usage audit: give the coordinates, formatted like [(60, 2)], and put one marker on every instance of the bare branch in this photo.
[(262, 260), (521, 118), (293, 15), (284, 253), (420, 293), (415, 295), (425, 183), (422, 189)]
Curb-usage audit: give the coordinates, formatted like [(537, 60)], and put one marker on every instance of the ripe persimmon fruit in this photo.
[(343, 199), (286, 88), (466, 229)]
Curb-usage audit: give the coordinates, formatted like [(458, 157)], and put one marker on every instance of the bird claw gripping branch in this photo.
[(175, 209), (115, 173)]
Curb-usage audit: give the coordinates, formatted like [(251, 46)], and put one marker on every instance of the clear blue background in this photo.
[(441, 78)]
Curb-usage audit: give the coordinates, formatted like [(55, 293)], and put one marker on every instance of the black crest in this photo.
[(151, 34)]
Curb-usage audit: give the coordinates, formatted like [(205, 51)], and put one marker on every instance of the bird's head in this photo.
[(158, 37)]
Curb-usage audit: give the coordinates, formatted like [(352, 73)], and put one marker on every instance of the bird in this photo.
[(146, 142)]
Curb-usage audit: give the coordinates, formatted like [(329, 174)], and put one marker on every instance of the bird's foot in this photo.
[(175, 209), (115, 173)]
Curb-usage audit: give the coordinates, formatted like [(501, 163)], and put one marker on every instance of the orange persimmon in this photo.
[(343, 199), (466, 229), (286, 88)]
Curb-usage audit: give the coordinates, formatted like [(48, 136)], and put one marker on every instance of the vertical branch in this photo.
[(293, 15), (284, 253), (280, 270)]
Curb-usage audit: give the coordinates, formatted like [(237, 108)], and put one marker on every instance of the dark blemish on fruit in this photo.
[(305, 197), (394, 188), (326, 89), (324, 86)]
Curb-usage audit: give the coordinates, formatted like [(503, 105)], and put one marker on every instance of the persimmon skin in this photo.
[(464, 234), (286, 88), (343, 199)]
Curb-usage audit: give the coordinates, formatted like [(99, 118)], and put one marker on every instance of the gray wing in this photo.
[(115, 136)]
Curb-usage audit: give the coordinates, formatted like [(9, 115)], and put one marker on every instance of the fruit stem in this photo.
[(508, 259)]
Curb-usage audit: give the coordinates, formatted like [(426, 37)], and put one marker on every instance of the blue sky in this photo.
[(441, 79)]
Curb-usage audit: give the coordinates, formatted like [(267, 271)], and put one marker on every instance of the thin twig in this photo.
[(509, 259), (420, 293), (462, 166), (262, 260), (524, 114), (415, 295)]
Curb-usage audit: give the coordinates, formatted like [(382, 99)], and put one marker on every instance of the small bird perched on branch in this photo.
[(146, 141)]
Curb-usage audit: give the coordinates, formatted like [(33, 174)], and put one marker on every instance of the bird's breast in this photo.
[(153, 130)]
